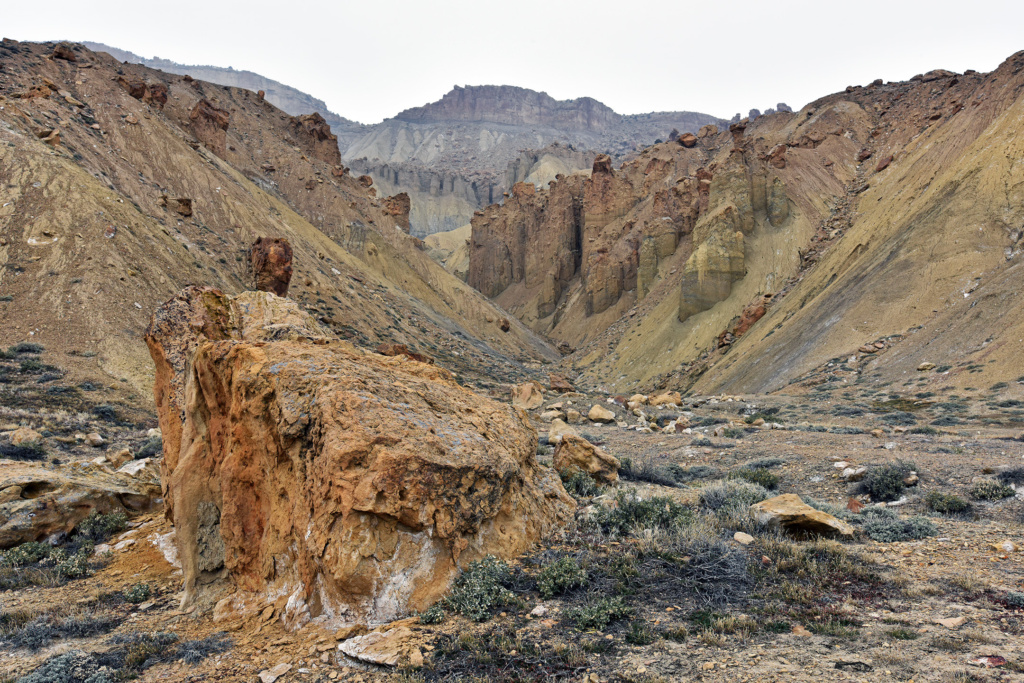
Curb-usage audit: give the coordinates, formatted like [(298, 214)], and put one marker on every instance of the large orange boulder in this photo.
[(210, 124), (354, 484)]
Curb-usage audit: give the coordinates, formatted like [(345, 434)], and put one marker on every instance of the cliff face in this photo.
[(121, 184), (743, 259), (514, 106), (471, 146)]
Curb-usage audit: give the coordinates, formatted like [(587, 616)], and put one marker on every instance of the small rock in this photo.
[(924, 367), (119, 458), (573, 416), (24, 435), (841, 465), (550, 415), (539, 611), (789, 512), (559, 430), (910, 480), (854, 473), (877, 433), (599, 413), (854, 505), (742, 538), (271, 675), (952, 623), (799, 630), (94, 439)]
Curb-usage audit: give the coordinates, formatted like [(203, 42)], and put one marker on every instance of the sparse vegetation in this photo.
[(481, 589), (989, 489), (946, 503), (598, 613), (99, 527), (138, 593), (561, 576), (632, 513), (759, 475), (885, 482), (579, 484), (891, 529), (729, 495)]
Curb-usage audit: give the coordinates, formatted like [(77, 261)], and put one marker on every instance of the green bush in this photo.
[(885, 482), (71, 566), (99, 527), (153, 448), (760, 476), (991, 490), (560, 577), (71, 667), (432, 615), (25, 554), (701, 441), (890, 530), (631, 514), (734, 432), (27, 347), (1015, 599), (1012, 476), (946, 503), (725, 496), (481, 589), (580, 484), (138, 593), (597, 614), (764, 463)]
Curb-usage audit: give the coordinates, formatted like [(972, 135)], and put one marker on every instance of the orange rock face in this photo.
[(315, 134), (355, 484), (399, 206), (271, 262)]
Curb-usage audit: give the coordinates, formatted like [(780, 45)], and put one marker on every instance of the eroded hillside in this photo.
[(121, 184), (743, 260)]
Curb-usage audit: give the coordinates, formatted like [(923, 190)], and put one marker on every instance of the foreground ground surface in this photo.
[(649, 584)]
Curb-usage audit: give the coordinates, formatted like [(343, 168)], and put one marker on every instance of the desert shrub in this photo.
[(903, 634), (580, 484), (105, 413), (138, 593), (704, 565), (1015, 599), (26, 451), (946, 503), (734, 432), (432, 615), (846, 430), (28, 347), (31, 365), (153, 448), (760, 476), (41, 631), (195, 651), (99, 527), (888, 530), (924, 430), (639, 633), (561, 576), (701, 441), (597, 614), (646, 470), (70, 565), (989, 489), (885, 482), (731, 495), (1014, 476), (764, 463), (688, 474), (71, 667), (899, 417), (946, 421), (25, 554), (632, 513), (481, 589)]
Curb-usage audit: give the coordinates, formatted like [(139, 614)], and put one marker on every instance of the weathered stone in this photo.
[(688, 140), (576, 453), (791, 513), (37, 500), (387, 349), (394, 647), (709, 273), (355, 484), (25, 435), (558, 429), (599, 413), (210, 125), (399, 206), (65, 51), (560, 384), (94, 439), (315, 136), (528, 395), (666, 398), (271, 261)]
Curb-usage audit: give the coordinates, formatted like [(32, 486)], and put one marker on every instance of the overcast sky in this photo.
[(372, 58)]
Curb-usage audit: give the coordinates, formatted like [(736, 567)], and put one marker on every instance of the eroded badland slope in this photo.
[(747, 258), (112, 202)]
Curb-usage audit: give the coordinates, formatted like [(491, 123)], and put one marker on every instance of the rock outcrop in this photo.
[(271, 261), (210, 125), (576, 453), (789, 512), (353, 483), (39, 501), (316, 137)]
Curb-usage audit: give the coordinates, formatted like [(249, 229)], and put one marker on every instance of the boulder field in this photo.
[(354, 485)]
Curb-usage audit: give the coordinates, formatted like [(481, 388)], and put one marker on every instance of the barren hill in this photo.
[(783, 249), (119, 184), (452, 155), (282, 96)]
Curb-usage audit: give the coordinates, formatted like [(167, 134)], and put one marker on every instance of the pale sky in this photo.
[(370, 59)]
